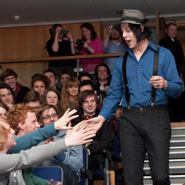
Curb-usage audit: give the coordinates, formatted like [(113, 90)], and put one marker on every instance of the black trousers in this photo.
[(145, 130)]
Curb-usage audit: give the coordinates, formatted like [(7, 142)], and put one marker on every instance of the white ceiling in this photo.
[(43, 12)]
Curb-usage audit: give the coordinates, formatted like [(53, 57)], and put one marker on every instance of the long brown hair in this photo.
[(65, 95)]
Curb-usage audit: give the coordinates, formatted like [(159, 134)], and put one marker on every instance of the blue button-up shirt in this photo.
[(113, 48), (138, 77)]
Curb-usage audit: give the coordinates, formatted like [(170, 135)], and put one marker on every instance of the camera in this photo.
[(65, 32), (79, 44)]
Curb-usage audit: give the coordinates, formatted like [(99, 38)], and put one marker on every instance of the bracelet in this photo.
[(72, 41)]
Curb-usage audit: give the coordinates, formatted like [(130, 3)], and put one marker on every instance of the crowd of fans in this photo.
[(33, 110)]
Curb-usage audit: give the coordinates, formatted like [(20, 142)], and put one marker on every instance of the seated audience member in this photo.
[(92, 45), (70, 161), (112, 44), (63, 75), (33, 99), (88, 85), (9, 77), (22, 119), (53, 78), (11, 165), (60, 44), (7, 95), (84, 76), (102, 73), (52, 97), (3, 110), (40, 83), (104, 137), (69, 95)]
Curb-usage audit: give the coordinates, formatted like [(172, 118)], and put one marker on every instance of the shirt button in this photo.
[(139, 76), (141, 108), (138, 66), (140, 87), (141, 98)]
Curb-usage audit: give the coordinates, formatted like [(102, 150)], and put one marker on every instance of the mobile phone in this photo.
[(65, 32), (111, 27)]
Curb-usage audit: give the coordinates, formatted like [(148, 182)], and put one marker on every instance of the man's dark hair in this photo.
[(106, 66), (90, 27), (8, 72), (137, 31), (168, 25), (32, 96), (65, 71), (84, 74), (83, 95), (86, 82), (50, 71)]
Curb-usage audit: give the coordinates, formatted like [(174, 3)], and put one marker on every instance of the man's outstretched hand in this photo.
[(96, 123)]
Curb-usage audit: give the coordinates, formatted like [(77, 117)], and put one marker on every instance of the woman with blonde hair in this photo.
[(69, 95)]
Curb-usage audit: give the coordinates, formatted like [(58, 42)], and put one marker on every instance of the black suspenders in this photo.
[(155, 72)]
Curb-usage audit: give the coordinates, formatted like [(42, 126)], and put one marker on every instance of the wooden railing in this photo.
[(43, 59)]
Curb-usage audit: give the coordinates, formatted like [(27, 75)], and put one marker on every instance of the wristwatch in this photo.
[(90, 49)]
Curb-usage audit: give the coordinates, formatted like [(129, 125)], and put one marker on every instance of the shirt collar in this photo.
[(150, 45)]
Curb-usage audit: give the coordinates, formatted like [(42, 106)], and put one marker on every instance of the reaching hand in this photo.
[(80, 135), (96, 123), (61, 123)]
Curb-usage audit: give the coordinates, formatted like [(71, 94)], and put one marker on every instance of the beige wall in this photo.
[(28, 42)]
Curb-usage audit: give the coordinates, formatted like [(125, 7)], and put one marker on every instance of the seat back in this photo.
[(49, 172)]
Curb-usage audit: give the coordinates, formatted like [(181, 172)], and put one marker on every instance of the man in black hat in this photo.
[(144, 125)]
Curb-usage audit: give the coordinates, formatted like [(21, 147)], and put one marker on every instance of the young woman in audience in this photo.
[(70, 161), (69, 94), (92, 45), (11, 164), (7, 95), (3, 110), (60, 44), (40, 83), (52, 97)]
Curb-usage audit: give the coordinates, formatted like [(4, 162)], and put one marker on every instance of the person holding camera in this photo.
[(112, 44), (91, 45), (61, 42)]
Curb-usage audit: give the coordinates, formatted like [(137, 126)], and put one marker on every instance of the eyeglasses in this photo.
[(54, 115)]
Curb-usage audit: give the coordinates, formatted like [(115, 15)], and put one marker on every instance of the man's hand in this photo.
[(158, 82), (80, 135), (61, 124), (96, 123), (118, 113)]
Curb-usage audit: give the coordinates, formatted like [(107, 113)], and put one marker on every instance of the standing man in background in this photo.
[(112, 44), (176, 106)]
